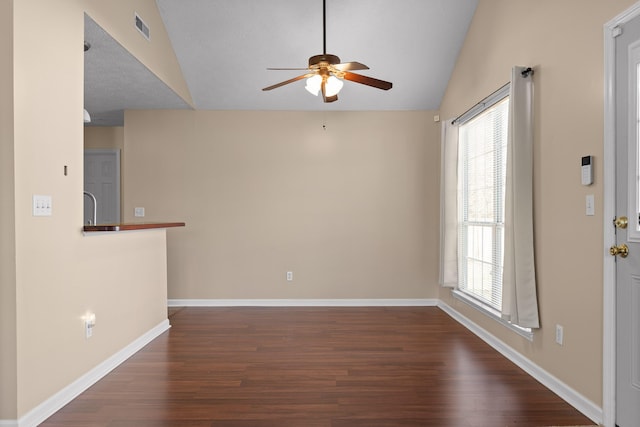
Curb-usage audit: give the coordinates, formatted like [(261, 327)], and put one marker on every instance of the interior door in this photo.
[(627, 247), (102, 179)]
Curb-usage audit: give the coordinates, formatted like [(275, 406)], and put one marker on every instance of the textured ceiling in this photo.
[(115, 81), (224, 48)]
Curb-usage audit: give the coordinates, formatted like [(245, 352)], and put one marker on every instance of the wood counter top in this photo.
[(130, 226)]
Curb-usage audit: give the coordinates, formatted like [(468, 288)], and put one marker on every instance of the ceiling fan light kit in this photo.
[(313, 84), (326, 73), (333, 86)]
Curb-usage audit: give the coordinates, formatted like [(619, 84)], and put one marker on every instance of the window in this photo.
[(482, 172), (487, 253)]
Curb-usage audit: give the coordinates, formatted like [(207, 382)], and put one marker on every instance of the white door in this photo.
[(627, 86), (102, 179)]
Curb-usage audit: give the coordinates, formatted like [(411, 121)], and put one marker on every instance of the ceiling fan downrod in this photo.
[(324, 58), (324, 27)]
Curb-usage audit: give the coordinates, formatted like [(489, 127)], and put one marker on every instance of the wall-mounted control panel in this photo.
[(587, 170)]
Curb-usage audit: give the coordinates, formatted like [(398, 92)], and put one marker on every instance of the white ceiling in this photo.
[(224, 48)]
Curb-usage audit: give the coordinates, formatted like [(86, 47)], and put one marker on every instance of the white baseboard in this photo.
[(575, 399), (67, 394), (421, 302), (8, 423)]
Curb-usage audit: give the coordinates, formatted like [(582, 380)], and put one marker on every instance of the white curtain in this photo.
[(519, 299), (449, 206)]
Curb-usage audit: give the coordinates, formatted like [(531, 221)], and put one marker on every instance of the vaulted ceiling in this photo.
[(224, 48)]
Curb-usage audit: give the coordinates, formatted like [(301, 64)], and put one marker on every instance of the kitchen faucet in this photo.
[(95, 207)]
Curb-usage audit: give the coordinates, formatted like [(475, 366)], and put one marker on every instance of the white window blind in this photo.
[(482, 154)]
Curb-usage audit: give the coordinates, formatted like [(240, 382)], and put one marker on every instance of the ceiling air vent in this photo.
[(142, 27)]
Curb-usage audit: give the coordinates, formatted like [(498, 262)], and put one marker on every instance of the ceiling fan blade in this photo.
[(286, 82), (369, 81), (347, 66)]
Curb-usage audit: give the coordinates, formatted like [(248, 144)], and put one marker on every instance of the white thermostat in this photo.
[(587, 170)]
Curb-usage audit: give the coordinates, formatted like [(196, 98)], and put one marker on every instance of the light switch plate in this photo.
[(559, 335), (42, 205), (590, 205)]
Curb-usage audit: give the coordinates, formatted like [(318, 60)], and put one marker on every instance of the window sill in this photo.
[(492, 313)]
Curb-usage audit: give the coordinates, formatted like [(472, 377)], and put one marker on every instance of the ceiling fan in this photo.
[(325, 72)]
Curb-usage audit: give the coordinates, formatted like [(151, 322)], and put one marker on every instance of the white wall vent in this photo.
[(142, 27)]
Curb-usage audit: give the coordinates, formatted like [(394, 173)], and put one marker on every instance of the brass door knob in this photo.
[(622, 250), (621, 222)]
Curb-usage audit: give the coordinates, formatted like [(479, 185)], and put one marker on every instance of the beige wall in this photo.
[(59, 273), (104, 137), (8, 384), (352, 210), (563, 41)]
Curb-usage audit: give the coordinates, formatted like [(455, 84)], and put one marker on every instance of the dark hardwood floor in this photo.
[(405, 366)]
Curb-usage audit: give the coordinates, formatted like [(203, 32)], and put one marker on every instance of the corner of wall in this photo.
[(8, 352)]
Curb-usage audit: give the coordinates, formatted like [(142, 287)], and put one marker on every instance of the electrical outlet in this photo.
[(289, 276), (138, 212), (559, 334)]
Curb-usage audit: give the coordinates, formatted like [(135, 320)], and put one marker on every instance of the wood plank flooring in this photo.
[(381, 366)]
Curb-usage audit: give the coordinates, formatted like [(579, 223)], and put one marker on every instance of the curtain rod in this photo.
[(525, 73)]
